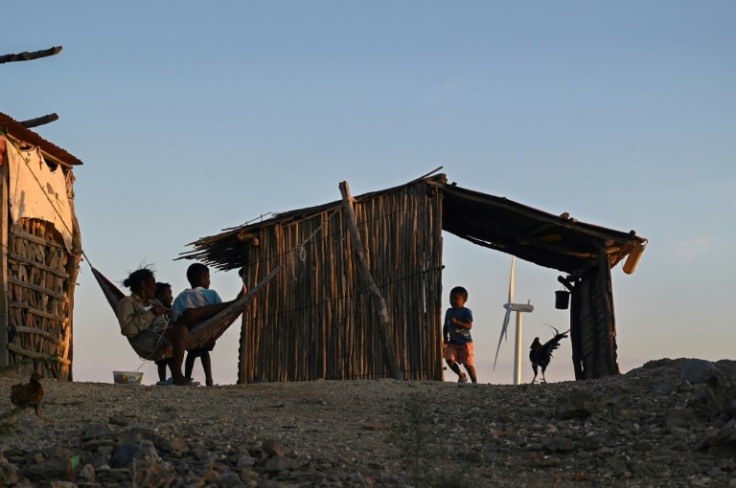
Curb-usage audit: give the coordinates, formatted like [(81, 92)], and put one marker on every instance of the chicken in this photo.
[(541, 354), (29, 395)]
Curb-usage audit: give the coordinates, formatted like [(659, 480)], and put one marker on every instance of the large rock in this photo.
[(140, 451), (53, 469), (694, 371), (716, 395), (723, 442)]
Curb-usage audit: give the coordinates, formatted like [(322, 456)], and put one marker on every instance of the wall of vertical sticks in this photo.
[(316, 320), (40, 281)]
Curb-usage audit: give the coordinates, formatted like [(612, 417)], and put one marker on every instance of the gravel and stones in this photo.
[(670, 423)]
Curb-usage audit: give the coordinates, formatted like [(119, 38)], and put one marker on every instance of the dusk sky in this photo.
[(192, 117)]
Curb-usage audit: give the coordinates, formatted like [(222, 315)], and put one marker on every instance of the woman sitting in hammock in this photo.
[(147, 323)]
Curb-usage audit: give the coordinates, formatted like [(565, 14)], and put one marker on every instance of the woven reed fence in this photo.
[(316, 320), (40, 288)]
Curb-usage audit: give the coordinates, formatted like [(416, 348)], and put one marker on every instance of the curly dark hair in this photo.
[(136, 278)]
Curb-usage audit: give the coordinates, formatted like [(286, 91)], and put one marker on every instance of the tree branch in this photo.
[(26, 56)]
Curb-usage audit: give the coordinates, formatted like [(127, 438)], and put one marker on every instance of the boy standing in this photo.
[(198, 295), (456, 333)]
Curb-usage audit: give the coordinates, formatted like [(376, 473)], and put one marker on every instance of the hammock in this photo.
[(204, 332)]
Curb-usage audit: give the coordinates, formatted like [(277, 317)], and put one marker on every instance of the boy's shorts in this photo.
[(461, 354)]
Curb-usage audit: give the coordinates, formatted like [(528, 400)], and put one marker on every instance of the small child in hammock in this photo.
[(198, 295), (164, 295)]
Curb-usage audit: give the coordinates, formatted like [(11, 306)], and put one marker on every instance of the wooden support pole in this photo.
[(384, 325), (606, 333), (4, 289)]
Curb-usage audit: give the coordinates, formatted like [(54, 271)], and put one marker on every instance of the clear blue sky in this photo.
[(192, 117)]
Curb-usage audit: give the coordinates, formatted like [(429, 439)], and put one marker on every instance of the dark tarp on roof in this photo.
[(498, 223), (22, 133), (533, 235)]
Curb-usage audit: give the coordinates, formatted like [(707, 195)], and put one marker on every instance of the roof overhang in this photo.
[(16, 131), (552, 241)]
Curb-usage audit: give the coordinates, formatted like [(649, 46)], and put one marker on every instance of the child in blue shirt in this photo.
[(198, 295), (456, 334)]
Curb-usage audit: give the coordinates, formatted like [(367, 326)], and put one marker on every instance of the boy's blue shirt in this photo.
[(458, 335), (195, 297)]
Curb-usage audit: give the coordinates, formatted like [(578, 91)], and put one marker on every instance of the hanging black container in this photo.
[(562, 299)]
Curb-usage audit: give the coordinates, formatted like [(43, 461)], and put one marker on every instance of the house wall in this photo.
[(317, 320), (37, 285)]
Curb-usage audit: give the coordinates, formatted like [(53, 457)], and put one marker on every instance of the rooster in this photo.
[(541, 354), (29, 395)]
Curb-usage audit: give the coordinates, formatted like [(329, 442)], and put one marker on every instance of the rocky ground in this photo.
[(670, 423)]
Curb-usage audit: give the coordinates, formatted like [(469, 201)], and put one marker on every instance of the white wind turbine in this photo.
[(519, 308)]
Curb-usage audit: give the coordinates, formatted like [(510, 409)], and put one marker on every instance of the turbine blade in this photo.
[(511, 280), (498, 348), (507, 317), (504, 329)]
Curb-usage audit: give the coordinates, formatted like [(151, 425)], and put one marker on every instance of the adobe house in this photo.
[(360, 294), (40, 246)]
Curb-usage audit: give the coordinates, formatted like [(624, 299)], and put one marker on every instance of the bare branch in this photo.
[(46, 119), (26, 56)]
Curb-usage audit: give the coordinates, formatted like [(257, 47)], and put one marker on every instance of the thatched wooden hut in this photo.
[(319, 318), (40, 243)]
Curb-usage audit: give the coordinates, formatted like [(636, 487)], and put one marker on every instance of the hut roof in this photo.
[(20, 132), (552, 241)]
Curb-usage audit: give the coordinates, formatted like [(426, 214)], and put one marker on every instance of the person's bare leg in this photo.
[(177, 335), (189, 364), (471, 373), (455, 368), (161, 366), (170, 364), (207, 366), (180, 331), (192, 315)]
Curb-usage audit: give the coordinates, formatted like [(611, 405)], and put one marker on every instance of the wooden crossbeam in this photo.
[(27, 56), (44, 119)]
